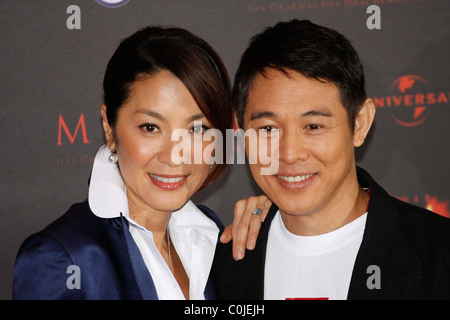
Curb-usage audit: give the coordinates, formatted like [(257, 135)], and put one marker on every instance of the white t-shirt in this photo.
[(311, 267)]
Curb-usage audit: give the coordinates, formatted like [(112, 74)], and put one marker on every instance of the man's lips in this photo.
[(295, 180), (168, 182)]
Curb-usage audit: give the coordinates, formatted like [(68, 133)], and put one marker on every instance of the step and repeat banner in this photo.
[(54, 55)]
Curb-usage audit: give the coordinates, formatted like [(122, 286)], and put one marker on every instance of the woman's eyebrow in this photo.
[(195, 117), (162, 118), (152, 114)]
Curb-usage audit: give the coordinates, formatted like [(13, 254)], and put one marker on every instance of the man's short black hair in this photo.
[(314, 51)]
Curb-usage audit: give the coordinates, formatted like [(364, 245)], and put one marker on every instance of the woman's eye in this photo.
[(199, 129), (149, 127)]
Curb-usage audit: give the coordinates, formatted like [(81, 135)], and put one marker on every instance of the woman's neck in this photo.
[(151, 219)]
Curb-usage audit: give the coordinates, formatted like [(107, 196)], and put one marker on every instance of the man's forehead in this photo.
[(287, 73), (275, 92)]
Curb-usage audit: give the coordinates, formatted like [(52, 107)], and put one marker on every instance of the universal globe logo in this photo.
[(113, 3)]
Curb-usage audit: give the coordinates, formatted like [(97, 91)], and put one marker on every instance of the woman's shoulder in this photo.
[(77, 227), (76, 239), (40, 270), (75, 222), (212, 215)]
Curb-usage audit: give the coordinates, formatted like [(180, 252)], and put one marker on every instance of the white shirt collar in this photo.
[(107, 192)]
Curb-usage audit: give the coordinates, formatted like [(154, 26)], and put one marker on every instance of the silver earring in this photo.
[(112, 157), (211, 166)]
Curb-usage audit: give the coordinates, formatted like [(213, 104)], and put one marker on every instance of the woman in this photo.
[(138, 236)]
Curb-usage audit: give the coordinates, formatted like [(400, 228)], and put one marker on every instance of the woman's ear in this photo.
[(109, 132), (363, 122), (236, 123)]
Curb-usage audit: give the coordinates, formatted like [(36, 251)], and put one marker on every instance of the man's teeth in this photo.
[(295, 178), (166, 180)]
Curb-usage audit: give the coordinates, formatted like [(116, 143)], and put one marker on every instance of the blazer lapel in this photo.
[(378, 276), (141, 274), (386, 265)]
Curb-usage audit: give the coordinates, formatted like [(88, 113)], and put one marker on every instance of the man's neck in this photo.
[(334, 215)]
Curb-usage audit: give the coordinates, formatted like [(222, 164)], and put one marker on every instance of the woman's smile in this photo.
[(168, 182)]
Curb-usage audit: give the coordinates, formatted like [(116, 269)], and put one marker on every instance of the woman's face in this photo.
[(156, 107)]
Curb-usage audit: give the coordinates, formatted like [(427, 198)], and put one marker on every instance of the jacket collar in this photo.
[(383, 246)]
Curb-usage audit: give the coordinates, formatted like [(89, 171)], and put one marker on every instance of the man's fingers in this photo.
[(246, 225), (255, 223), (243, 209), (253, 231)]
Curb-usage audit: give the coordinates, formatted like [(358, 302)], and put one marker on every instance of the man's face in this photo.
[(316, 146)]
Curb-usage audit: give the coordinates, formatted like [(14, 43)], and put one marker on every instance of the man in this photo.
[(332, 232)]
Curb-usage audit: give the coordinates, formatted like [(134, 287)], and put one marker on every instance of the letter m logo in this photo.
[(62, 125)]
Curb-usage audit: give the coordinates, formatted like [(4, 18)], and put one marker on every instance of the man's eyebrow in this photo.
[(313, 113), (262, 114)]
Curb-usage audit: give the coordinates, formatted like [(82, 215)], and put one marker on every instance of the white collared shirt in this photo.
[(193, 234)]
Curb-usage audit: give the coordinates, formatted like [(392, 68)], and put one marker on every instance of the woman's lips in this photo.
[(167, 182), (295, 181)]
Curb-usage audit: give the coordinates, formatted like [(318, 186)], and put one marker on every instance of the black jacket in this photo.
[(410, 245)]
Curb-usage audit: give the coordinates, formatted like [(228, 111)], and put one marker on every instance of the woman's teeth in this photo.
[(166, 180)]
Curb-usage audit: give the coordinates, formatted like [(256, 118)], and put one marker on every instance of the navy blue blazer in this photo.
[(110, 264)]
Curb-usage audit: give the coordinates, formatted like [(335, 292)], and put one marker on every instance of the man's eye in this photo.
[(149, 127), (268, 129), (313, 127)]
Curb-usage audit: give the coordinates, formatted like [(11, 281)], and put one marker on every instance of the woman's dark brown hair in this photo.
[(192, 60)]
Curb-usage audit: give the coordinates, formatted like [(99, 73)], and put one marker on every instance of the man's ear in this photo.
[(363, 122), (109, 132)]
